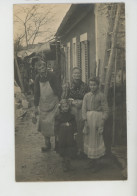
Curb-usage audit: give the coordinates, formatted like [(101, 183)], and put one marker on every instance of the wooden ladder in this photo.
[(111, 58)]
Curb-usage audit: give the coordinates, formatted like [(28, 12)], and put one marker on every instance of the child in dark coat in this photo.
[(65, 131)]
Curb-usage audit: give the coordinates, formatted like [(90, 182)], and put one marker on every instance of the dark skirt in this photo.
[(66, 145)]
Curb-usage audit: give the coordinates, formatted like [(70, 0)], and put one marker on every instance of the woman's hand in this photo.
[(85, 130), (77, 103), (74, 102)]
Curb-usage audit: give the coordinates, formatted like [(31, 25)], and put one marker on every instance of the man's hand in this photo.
[(57, 138), (36, 111), (75, 135), (100, 131)]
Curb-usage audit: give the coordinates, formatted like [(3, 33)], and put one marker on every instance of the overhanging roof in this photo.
[(72, 17), (36, 49)]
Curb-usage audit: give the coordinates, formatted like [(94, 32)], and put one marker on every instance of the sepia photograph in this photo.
[(70, 92)]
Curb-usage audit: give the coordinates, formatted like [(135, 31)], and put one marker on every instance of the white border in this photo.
[(8, 186)]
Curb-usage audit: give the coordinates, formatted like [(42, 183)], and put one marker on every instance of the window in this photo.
[(84, 57), (83, 61), (74, 56), (83, 37)]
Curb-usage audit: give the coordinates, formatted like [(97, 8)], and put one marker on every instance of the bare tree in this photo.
[(33, 20), (18, 43)]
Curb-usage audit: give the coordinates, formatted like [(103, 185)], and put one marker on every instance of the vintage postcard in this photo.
[(70, 92)]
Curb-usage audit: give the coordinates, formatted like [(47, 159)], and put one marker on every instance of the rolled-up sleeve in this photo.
[(65, 91), (84, 108)]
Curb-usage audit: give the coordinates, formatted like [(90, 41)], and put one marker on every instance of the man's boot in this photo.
[(47, 145)]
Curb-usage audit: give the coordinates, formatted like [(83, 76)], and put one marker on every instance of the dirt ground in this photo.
[(33, 165)]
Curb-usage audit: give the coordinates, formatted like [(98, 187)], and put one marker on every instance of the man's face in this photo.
[(42, 69)]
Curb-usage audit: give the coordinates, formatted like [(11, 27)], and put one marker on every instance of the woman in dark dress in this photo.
[(76, 91), (65, 131)]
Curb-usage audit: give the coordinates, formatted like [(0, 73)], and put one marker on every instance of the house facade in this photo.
[(77, 40), (92, 37), (85, 39)]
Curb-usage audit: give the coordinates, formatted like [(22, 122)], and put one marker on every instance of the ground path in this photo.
[(33, 165)]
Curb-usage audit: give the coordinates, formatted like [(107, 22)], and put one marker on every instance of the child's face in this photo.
[(64, 107), (93, 86)]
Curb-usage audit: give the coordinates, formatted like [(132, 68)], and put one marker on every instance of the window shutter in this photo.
[(83, 64), (78, 55), (86, 60)]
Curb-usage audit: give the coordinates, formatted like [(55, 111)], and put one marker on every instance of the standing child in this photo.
[(94, 113), (65, 131)]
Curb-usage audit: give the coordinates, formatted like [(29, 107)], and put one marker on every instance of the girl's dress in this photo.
[(65, 127), (95, 111)]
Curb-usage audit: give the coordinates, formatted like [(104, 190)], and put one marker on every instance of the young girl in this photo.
[(94, 113), (65, 131)]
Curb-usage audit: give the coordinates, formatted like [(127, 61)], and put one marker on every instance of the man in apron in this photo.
[(47, 93)]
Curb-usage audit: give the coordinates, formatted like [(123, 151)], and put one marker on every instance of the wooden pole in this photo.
[(111, 57), (108, 40), (114, 102), (58, 58), (19, 75), (96, 36)]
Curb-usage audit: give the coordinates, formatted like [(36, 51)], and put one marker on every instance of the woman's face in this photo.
[(93, 86), (76, 75)]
